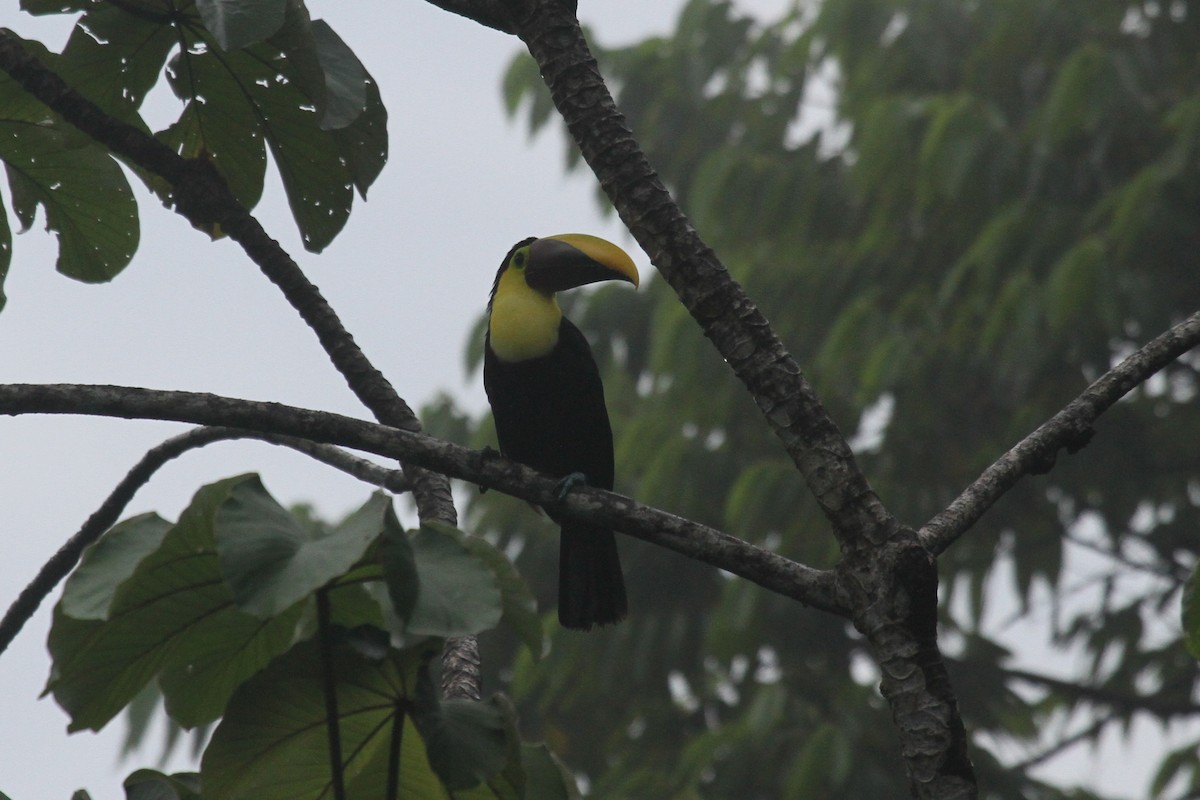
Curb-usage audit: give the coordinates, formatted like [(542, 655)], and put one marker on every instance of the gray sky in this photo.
[(408, 275)]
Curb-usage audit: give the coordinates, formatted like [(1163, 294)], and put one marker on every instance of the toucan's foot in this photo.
[(568, 483), (486, 454)]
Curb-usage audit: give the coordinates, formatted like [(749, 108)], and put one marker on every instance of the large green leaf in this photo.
[(40, 7), (84, 194), (89, 591), (272, 561), (518, 605), (175, 616), (238, 23), (399, 571), (1191, 613), (272, 743), (286, 98), (222, 126), (5, 254), (458, 595), (114, 58), (150, 784), (466, 742)]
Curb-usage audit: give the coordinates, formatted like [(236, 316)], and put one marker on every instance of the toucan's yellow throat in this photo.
[(523, 316)]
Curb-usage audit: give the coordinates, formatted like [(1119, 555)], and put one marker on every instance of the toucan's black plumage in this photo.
[(548, 402)]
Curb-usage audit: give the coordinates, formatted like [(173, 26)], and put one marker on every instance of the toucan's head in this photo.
[(523, 314), (555, 263)]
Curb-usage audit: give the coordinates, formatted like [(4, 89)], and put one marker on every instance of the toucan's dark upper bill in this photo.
[(556, 265)]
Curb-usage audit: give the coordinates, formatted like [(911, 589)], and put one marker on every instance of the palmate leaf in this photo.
[(114, 58), (175, 616), (458, 595), (1191, 613), (5, 254), (517, 603), (150, 784), (302, 94), (273, 743), (271, 561), (84, 194), (89, 591), (238, 23)]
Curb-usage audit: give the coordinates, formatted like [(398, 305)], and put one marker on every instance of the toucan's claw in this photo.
[(486, 454), (568, 483)]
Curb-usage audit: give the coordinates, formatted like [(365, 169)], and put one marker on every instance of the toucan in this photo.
[(548, 403)]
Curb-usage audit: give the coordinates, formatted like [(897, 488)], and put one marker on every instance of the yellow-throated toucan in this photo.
[(548, 402)]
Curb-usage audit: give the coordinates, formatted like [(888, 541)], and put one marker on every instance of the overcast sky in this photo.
[(408, 276)]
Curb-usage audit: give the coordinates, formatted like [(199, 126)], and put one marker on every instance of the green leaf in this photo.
[(364, 143), (5, 252), (458, 594), (1086, 88), (466, 741), (89, 591), (150, 784), (238, 23), (114, 58), (85, 196), (222, 127), (399, 569), (272, 743), (345, 78), (271, 561), (518, 605), (1191, 613), (307, 97), (41, 7), (1075, 287), (546, 778), (173, 617)]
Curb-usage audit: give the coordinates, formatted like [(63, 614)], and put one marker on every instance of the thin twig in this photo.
[(63, 561), (1108, 697), (1021, 767), (1070, 429)]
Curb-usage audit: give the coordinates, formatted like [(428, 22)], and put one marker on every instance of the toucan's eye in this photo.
[(519, 260)]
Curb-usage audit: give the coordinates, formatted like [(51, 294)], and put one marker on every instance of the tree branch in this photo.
[(1100, 695), (715, 300), (889, 579), (1021, 767), (769, 570), (63, 561), (1070, 428)]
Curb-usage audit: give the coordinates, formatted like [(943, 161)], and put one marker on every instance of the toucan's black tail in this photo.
[(591, 590)]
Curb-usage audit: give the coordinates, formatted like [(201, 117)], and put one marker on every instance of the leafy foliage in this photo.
[(219, 611), (955, 214), (251, 76)]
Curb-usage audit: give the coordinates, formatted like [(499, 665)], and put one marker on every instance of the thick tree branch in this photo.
[(769, 570), (1069, 429), (888, 577), (63, 561), (718, 303)]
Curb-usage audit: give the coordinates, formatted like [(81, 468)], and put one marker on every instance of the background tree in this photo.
[(738, 680), (954, 215)]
